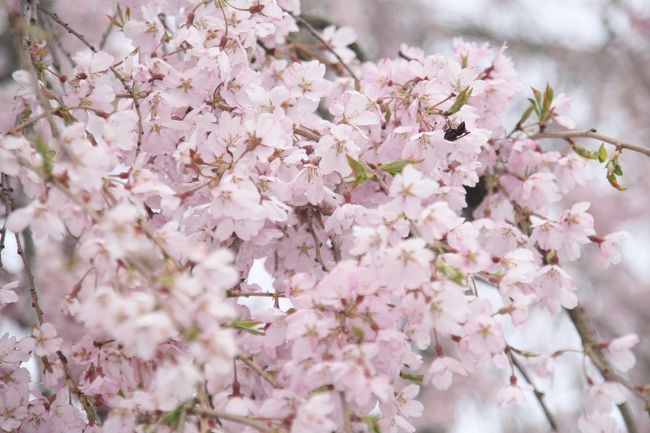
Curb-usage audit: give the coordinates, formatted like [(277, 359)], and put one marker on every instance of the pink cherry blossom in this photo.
[(442, 370), (46, 339), (619, 352)]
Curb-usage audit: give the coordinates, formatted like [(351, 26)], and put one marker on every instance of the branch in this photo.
[(591, 133), (347, 414), (29, 275), (211, 413), (259, 370), (236, 294), (122, 80), (306, 133), (317, 35), (590, 343), (538, 394), (317, 242)]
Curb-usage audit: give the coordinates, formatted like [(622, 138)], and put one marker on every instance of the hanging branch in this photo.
[(329, 48), (259, 370), (129, 89), (590, 341), (538, 394)]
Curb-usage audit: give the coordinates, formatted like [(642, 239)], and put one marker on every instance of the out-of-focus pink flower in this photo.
[(442, 370), (47, 341), (619, 352)]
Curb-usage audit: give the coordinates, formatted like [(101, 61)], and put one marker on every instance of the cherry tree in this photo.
[(404, 224)]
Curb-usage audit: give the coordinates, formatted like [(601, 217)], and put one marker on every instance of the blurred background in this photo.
[(595, 51)]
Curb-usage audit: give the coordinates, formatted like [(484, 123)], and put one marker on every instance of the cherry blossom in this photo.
[(619, 353)]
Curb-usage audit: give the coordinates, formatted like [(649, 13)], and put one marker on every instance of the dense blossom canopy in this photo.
[(402, 222)]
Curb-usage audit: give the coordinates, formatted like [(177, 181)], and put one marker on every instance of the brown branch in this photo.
[(317, 35), (317, 242), (211, 413), (590, 341), (538, 394), (591, 133), (347, 413), (236, 294), (131, 90), (259, 370), (24, 124), (306, 133), (29, 276)]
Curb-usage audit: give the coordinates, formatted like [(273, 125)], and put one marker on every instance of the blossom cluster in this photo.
[(156, 179)]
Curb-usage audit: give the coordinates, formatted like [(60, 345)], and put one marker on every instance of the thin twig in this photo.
[(29, 276), (317, 35), (591, 133), (347, 413), (236, 294), (131, 90), (24, 124), (317, 242), (259, 370), (107, 33), (211, 413), (306, 133), (538, 394)]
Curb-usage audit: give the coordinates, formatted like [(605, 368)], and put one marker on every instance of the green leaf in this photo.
[(584, 152), (535, 106), (548, 100), (461, 100), (361, 174), (46, 156), (602, 153), (451, 273), (464, 62), (320, 389), (614, 182), (395, 167), (173, 418), (246, 325), (617, 168), (373, 423), (24, 115), (358, 332), (412, 377), (526, 114), (192, 333), (538, 97)]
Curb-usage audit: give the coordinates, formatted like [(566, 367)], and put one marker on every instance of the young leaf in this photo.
[(584, 152), (361, 174), (538, 97), (602, 153), (395, 167), (451, 272), (373, 423), (461, 100), (614, 182), (46, 156), (535, 106), (526, 115), (548, 101), (173, 418), (410, 376), (246, 325)]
